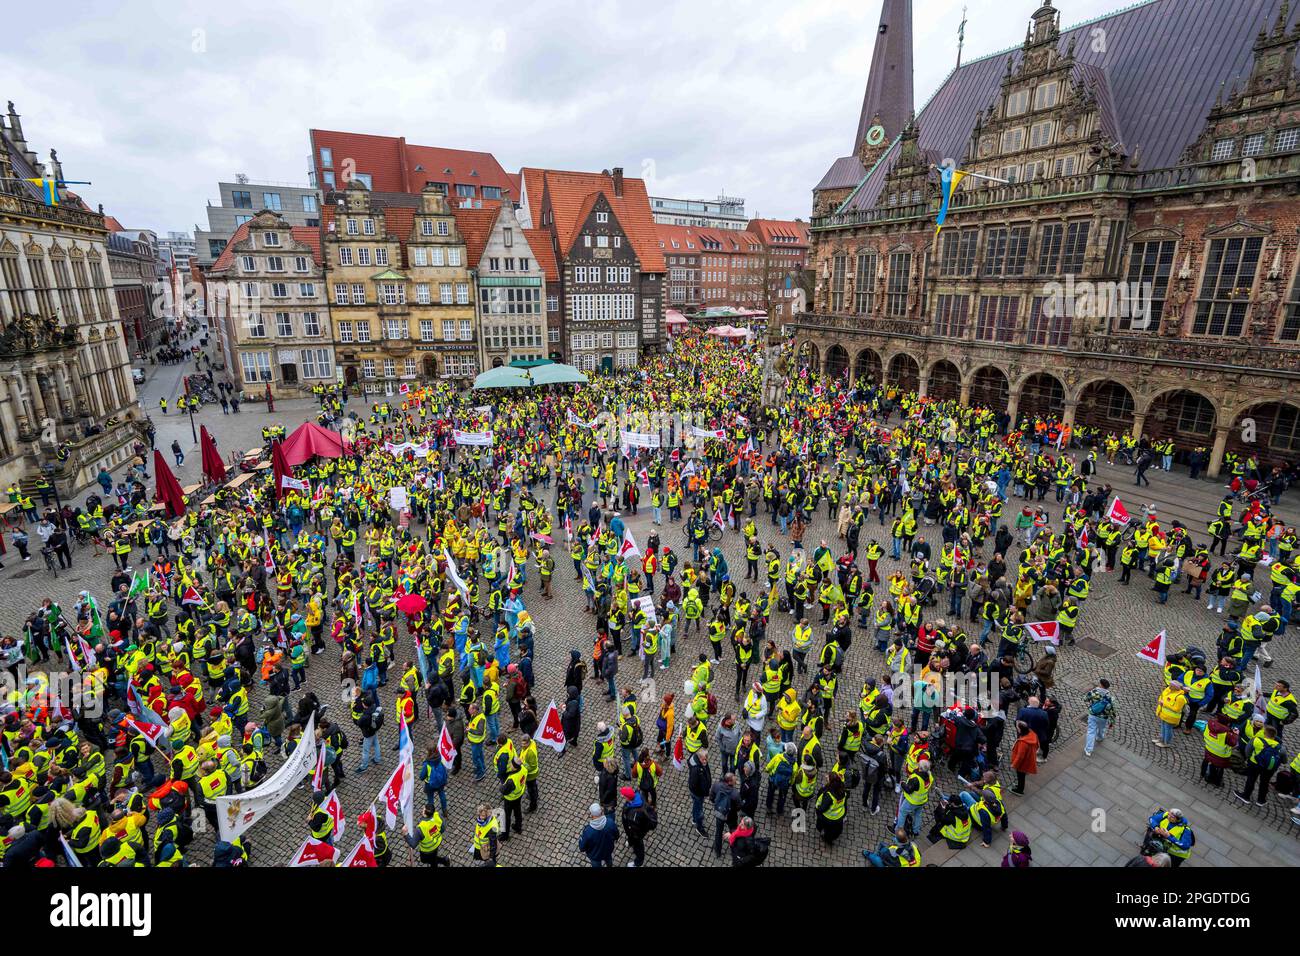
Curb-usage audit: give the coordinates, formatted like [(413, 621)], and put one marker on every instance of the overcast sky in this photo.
[(158, 102)]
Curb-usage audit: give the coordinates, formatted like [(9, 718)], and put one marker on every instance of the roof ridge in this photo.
[(1062, 32)]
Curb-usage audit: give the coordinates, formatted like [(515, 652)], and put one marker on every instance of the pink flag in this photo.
[(551, 731), (312, 853)]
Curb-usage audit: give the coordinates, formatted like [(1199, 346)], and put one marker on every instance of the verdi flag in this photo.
[(363, 854), (313, 853), (551, 730)]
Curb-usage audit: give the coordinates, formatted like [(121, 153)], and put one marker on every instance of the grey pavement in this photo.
[(1077, 811)]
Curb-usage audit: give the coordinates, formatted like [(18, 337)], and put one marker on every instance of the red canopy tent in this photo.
[(168, 489), (310, 440)]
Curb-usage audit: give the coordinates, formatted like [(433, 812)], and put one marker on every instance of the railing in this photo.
[(1190, 176)]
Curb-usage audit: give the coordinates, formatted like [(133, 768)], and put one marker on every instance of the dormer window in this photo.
[(1223, 149), (271, 239)]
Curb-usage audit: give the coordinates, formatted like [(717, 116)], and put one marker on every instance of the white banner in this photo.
[(638, 440), (575, 420), (295, 483), (421, 450), (484, 410), (397, 499), (706, 433), (472, 438), (453, 574), (647, 603), (238, 812)]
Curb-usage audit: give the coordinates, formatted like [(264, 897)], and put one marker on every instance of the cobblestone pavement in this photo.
[(1126, 778)]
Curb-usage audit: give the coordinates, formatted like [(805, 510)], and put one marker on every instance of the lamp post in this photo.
[(189, 407)]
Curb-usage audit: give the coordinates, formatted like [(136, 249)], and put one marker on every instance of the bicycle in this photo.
[(48, 554)]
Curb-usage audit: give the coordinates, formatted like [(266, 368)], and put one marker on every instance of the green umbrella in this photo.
[(503, 377), (557, 374)]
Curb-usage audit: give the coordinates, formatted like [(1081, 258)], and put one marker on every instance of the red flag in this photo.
[(717, 518), (392, 794), (150, 732), (1154, 651), (312, 853), (269, 562), (446, 747), (1118, 513), (191, 596), (676, 455), (368, 823), (1044, 631), (551, 731), (679, 754), (335, 809), (363, 854), (213, 467), (279, 467)]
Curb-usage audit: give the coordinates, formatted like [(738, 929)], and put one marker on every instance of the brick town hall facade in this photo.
[(1154, 150)]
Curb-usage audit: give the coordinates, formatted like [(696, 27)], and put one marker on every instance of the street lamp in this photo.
[(189, 407)]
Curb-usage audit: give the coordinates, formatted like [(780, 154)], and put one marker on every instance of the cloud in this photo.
[(159, 102)]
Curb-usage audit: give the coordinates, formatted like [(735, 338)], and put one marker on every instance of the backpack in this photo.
[(437, 777), (713, 705), (651, 818), (1098, 707), (636, 735)]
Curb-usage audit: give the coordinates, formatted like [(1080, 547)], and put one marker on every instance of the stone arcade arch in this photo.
[(1041, 396), (1106, 405), (990, 388), (943, 381), (869, 366), (904, 373), (837, 361)]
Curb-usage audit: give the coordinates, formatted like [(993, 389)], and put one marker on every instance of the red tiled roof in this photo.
[(784, 228), (307, 235), (532, 183), (228, 254), (397, 166), (539, 241), (571, 193), (475, 227), (112, 225), (678, 240)]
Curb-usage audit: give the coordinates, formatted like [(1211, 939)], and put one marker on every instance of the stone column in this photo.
[(1139, 421), (965, 393), (77, 377), (1067, 416), (9, 418), (1216, 453), (66, 403), (1013, 410), (38, 401)]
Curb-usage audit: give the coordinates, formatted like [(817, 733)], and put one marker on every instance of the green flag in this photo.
[(96, 625), (33, 655), (139, 583)]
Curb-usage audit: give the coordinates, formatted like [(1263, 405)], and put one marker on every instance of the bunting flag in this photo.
[(550, 730), (1154, 650), (313, 853), (628, 547), (949, 180)]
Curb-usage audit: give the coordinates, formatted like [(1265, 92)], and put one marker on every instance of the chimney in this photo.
[(618, 180)]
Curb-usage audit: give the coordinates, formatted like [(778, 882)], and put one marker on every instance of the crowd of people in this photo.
[(416, 563)]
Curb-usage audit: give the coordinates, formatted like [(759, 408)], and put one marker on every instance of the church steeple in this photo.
[(888, 100)]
